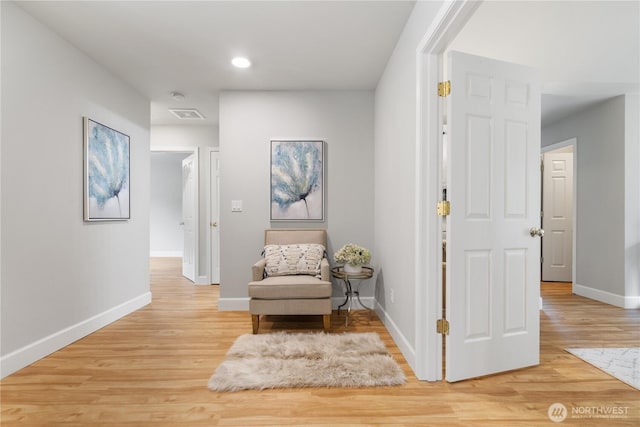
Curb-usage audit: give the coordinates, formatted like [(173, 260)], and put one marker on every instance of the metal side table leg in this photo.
[(369, 310), (350, 298)]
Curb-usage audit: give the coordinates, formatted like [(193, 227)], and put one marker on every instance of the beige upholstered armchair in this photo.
[(293, 278)]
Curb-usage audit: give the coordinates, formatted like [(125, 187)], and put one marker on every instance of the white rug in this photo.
[(283, 360), (621, 363)]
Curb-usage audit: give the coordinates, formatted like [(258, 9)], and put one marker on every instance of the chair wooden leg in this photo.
[(326, 322), (255, 320)]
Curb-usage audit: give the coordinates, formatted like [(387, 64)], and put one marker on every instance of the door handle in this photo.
[(214, 224), (535, 231), (181, 222)]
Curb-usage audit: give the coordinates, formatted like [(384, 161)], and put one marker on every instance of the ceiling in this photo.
[(186, 46), (586, 51)]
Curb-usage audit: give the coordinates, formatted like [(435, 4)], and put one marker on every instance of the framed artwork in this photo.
[(297, 180), (106, 173)]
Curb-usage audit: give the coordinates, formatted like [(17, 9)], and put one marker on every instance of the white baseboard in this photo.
[(233, 304), (202, 280), (35, 351), (607, 297), (632, 302), (166, 254), (401, 341)]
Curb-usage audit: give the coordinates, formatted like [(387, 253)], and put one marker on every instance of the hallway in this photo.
[(151, 369)]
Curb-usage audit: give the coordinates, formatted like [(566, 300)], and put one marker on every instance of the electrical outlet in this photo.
[(391, 296)]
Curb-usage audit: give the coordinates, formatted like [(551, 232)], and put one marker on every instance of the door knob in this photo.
[(214, 224), (535, 231), (181, 222)]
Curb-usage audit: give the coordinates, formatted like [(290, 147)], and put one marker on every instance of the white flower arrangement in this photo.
[(352, 254)]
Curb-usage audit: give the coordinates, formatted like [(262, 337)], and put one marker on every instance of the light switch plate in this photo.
[(236, 206)]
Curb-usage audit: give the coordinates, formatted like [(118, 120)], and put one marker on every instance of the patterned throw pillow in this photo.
[(284, 260)]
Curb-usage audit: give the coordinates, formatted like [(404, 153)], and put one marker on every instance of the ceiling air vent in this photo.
[(186, 113)]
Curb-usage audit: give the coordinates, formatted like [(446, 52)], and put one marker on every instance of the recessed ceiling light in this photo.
[(241, 62)]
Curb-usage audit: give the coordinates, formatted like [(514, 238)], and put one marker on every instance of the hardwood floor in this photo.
[(556, 288), (151, 369)]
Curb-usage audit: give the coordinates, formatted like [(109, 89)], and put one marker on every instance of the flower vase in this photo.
[(352, 269)]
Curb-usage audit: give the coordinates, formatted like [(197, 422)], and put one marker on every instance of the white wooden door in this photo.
[(189, 193), (557, 219), (493, 263), (214, 209)]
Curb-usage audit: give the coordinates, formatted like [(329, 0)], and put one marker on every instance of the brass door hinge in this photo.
[(442, 326), (444, 208), (444, 88)]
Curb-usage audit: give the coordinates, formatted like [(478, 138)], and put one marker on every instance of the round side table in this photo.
[(350, 289)]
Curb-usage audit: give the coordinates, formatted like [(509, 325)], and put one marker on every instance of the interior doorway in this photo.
[(558, 211), (521, 262), (169, 234)]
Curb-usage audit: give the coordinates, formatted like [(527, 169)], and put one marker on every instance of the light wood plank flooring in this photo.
[(151, 369)]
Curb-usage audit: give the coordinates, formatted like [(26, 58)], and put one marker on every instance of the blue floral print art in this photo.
[(107, 166), (297, 180)]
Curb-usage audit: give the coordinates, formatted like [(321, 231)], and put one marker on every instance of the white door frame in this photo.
[(572, 142), (196, 226), (209, 213), (451, 18)]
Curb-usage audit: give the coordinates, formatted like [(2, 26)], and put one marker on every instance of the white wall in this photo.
[(573, 44), (2, 374), (167, 237), (632, 199), (63, 278), (395, 145), (603, 258), (184, 136), (200, 137), (248, 122)]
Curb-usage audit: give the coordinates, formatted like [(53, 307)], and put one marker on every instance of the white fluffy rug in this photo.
[(621, 363), (283, 360)]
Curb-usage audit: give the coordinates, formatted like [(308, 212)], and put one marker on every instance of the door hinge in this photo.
[(444, 88), (444, 208), (541, 260), (541, 214), (442, 326)]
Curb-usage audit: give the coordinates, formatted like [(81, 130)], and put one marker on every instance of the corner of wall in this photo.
[(632, 196)]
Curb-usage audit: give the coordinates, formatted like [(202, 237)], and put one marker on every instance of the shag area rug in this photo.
[(621, 363), (283, 360)]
